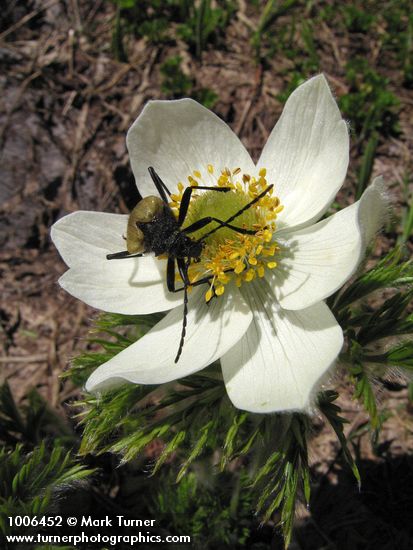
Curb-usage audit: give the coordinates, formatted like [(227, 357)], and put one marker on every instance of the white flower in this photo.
[(274, 334)]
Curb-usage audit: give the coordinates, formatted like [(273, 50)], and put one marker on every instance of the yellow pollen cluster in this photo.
[(237, 256)]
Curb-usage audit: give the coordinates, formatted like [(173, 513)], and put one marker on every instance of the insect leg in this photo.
[(196, 283), (186, 199), (159, 184), (254, 200), (122, 255), (183, 209), (170, 274), (183, 271), (243, 209), (199, 224), (208, 188), (200, 281), (205, 221)]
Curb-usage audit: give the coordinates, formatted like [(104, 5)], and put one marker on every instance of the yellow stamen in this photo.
[(224, 278), (239, 267), (252, 260), (219, 291), (208, 295)]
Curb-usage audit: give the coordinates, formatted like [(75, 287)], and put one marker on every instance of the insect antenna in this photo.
[(184, 322), (183, 272), (159, 184)]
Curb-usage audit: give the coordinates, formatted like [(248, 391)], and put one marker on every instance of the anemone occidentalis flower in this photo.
[(267, 322)]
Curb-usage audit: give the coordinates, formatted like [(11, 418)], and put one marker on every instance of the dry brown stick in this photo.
[(264, 132), (79, 150), (244, 115), (25, 19), (333, 43), (139, 95), (241, 15), (71, 171), (53, 368), (114, 80), (148, 70), (76, 11), (94, 10), (24, 358), (69, 102), (71, 44), (254, 97)]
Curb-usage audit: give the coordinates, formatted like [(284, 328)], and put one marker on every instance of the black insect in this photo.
[(153, 227)]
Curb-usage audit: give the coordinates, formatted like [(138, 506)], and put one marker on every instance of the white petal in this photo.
[(128, 286), (211, 331), (178, 137), (319, 259), (283, 355), (123, 290), (307, 153), (84, 237)]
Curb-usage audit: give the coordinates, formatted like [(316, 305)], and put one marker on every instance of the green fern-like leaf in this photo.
[(29, 480), (390, 272), (332, 413)]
